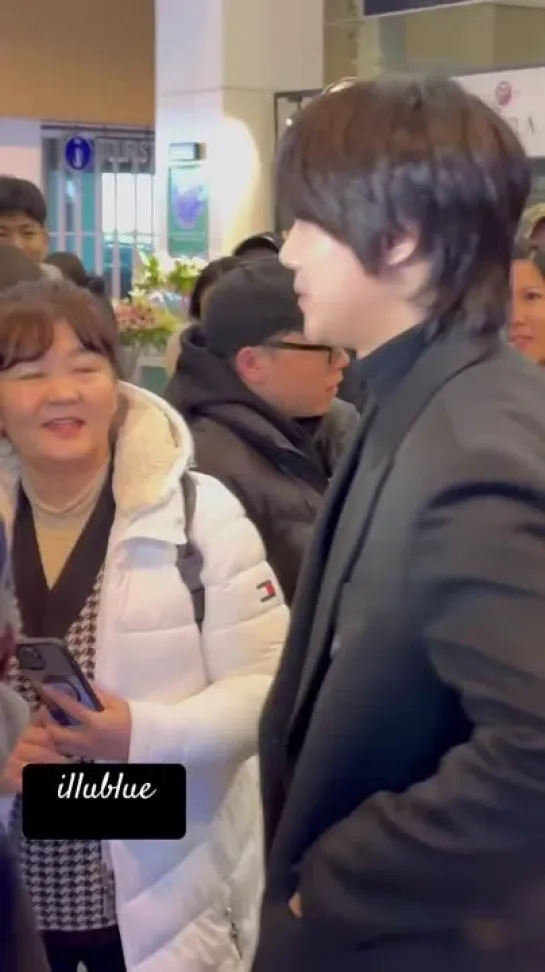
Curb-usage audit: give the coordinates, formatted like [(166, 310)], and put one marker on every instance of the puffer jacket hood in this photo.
[(207, 384), (207, 378)]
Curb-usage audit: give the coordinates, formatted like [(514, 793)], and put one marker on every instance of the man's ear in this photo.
[(247, 364), (402, 251)]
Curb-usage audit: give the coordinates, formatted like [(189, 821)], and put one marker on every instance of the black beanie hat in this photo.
[(249, 305), (271, 242)]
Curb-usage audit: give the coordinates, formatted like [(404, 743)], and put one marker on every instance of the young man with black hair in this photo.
[(403, 743), (23, 217)]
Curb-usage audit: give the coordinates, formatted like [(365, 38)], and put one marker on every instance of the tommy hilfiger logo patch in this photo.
[(267, 591)]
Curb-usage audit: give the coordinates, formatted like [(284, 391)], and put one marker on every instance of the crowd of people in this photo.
[(351, 450)]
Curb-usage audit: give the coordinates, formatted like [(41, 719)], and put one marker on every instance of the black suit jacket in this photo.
[(403, 744)]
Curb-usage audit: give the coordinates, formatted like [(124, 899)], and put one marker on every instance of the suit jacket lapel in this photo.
[(317, 552), (441, 361)]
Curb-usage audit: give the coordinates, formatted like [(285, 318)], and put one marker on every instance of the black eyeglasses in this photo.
[(332, 353)]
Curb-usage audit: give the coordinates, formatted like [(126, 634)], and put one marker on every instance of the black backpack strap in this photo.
[(190, 559)]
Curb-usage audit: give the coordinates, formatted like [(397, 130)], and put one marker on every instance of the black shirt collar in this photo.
[(383, 370)]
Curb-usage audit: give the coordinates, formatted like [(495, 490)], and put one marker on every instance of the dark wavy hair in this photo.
[(373, 161)]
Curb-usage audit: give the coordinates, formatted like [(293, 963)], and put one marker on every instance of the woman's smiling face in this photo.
[(527, 326), (59, 408)]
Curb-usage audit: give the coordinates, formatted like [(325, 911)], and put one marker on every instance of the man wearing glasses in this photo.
[(259, 398)]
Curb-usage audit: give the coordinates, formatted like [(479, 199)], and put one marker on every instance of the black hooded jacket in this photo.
[(21, 948), (279, 468)]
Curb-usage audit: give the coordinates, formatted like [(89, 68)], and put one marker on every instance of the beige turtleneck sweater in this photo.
[(59, 529)]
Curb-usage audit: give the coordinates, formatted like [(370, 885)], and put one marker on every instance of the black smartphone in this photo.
[(48, 662)]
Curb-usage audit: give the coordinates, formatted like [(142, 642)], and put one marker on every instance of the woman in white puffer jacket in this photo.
[(90, 492)]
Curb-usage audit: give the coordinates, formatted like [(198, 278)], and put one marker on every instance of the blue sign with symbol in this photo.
[(78, 153)]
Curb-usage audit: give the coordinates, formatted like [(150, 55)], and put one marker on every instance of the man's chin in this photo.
[(318, 331)]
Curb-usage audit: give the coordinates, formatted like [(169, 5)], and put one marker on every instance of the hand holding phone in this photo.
[(47, 663), (85, 724)]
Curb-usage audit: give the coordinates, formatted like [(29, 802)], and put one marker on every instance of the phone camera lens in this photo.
[(31, 659)]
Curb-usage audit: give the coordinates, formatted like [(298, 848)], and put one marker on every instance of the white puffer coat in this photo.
[(192, 905)]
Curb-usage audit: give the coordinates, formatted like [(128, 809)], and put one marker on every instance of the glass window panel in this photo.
[(116, 210)]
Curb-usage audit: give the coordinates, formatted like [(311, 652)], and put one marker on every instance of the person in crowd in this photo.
[(202, 289), (527, 325), (71, 268), (204, 284), (532, 227), (259, 245), (260, 401), (103, 512), (23, 219), (403, 742), (21, 948)]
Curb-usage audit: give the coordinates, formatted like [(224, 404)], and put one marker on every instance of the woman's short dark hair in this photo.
[(526, 250), (30, 311), (373, 161), (212, 272)]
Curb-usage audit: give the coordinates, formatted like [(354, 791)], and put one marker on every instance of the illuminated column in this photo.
[(218, 64)]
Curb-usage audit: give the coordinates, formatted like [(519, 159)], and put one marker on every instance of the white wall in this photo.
[(21, 148), (518, 97), (215, 85)]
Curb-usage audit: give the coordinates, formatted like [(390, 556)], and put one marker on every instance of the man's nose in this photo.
[(283, 256), (342, 358), (287, 253)]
